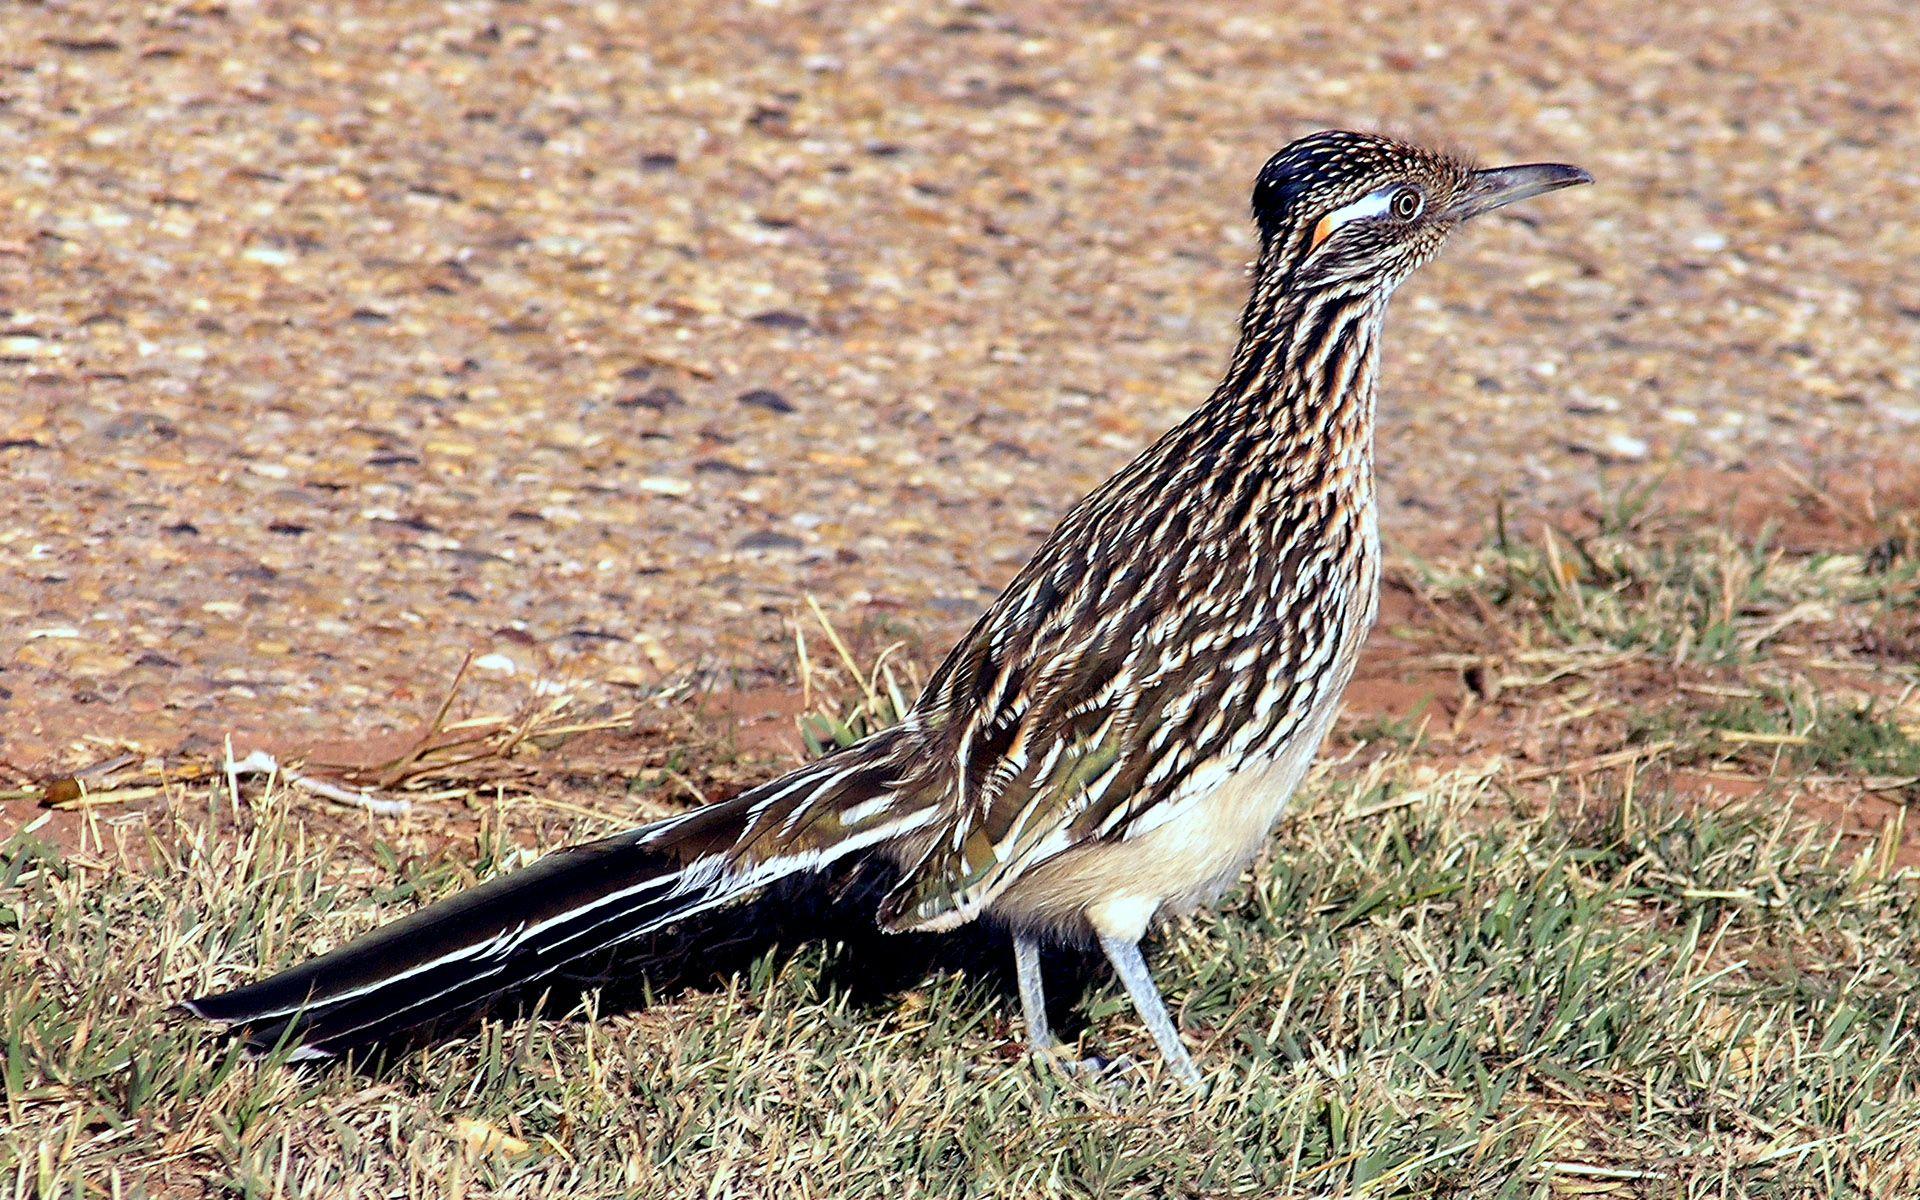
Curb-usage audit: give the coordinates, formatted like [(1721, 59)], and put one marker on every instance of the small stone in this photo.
[(659, 399), (768, 539), (139, 424), (1591, 406), (765, 398), (780, 319), (720, 466), (1623, 445)]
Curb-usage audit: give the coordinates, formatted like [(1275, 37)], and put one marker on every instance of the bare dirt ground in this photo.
[(588, 340)]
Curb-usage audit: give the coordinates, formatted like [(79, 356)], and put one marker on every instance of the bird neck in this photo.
[(1300, 388)]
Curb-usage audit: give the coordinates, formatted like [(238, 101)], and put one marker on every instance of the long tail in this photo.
[(451, 958)]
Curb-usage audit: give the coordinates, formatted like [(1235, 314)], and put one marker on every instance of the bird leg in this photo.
[(1033, 997), (1124, 954), (1033, 1003)]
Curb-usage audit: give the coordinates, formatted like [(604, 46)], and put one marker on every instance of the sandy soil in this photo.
[(588, 339)]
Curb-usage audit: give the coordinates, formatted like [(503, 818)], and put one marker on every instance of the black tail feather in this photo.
[(651, 900), (453, 958)]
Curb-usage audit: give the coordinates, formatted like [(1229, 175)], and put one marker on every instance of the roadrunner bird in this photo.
[(1111, 742)]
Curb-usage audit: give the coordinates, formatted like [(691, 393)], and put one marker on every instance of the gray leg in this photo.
[(1132, 970), (1033, 1001)]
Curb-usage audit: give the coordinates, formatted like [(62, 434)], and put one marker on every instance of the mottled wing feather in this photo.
[(1060, 761), (988, 848)]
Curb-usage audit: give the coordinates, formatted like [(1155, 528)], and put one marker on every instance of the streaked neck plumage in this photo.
[(1287, 437), (1303, 373)]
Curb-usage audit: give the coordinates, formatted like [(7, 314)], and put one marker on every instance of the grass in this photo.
[(1812, 733), (1456, 996), (1659, 635), (1676, 586), (1452, 979)]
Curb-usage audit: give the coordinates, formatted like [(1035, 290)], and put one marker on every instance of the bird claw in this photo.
[(1094, 1068), (1100, 1064)]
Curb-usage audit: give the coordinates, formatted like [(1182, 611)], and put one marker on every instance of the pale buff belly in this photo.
[(1116, 888)]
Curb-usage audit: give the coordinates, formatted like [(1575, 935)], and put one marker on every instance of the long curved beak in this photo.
[(1498, 186)]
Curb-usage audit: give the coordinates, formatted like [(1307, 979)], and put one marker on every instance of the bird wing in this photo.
[(1049, 720), (1027, 808)]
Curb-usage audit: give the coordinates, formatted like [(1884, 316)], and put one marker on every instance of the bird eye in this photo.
[(1407, 203)]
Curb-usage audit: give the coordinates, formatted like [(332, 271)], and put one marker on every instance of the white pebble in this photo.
[(1626, 446)]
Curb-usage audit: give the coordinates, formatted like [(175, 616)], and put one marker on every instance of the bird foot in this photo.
[(1094, 1068)]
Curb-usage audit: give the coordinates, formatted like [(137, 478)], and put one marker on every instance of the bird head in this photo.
[(1360, 209)]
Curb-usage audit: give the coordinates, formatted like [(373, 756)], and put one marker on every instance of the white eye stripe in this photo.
[(1373, 204), (1377, 203)]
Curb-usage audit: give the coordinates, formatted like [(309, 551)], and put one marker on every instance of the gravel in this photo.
[(340, 342)]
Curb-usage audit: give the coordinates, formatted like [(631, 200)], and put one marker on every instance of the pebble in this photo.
[(780, 319), (659, 399), (768, 539), (1622, 445), (768, 399)]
